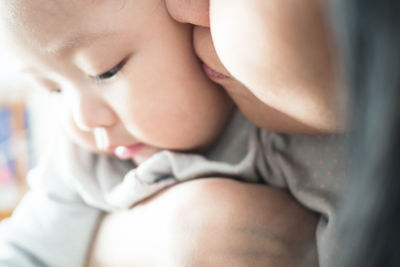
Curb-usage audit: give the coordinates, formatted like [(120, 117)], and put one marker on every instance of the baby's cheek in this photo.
[(163, 127), (157, 128)]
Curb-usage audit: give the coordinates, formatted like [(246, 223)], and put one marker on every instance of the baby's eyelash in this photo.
[(111, 73), (51, 90)]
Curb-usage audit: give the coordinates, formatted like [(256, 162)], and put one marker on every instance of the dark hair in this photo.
[(369, 38)]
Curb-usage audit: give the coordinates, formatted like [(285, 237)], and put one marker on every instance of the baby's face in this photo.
[(123, 73)]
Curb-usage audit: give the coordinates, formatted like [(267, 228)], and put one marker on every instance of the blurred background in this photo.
[(24, 128)]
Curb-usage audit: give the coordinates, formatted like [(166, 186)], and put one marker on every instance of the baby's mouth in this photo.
[(128, 152), (134, 151), (138, 152)]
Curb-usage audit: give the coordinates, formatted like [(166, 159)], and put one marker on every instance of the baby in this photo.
[(130, 88), (127, 83)]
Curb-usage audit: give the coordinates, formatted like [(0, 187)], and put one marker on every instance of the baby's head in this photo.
[(123, 73)]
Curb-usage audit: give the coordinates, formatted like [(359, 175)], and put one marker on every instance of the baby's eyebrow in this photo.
[(77, 40)]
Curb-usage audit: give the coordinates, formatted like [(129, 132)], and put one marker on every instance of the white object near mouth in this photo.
[(100, 136)]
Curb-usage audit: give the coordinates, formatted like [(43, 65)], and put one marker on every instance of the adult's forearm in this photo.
[(209, 222)]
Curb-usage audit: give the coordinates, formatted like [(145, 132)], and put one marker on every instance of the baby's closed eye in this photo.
[(110, 73)]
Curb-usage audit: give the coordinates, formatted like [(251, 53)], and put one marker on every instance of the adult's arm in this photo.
[(209, 222)]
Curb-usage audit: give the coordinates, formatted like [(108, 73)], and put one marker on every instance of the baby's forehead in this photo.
[(62, 9), (35, 12), (35, 17), (47, 22), (50, 7)]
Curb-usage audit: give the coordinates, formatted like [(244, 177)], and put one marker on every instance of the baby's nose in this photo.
[(90, 112)]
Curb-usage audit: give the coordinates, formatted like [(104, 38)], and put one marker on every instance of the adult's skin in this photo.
[(278, 67), (277, 57), (207, 223)]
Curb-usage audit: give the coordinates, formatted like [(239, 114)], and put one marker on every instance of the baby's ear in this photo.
[(189, 11)]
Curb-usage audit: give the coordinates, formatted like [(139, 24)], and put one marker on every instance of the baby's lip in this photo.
[(125, 152)]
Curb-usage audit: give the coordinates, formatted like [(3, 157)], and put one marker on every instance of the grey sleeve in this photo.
[(51, 226)]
